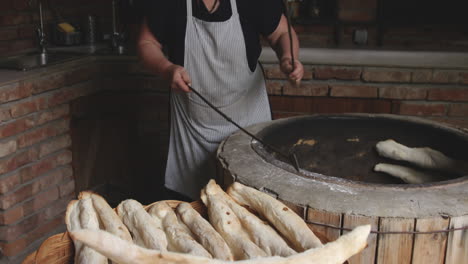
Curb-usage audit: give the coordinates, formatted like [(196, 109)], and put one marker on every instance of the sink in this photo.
[(35, 60)]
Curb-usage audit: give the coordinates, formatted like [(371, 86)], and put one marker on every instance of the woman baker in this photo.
[(212, 46)]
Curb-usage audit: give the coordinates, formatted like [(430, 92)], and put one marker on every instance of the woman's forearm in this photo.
[(151, 54), (281, 43)]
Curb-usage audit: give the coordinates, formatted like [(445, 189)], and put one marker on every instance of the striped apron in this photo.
[(216, 60)]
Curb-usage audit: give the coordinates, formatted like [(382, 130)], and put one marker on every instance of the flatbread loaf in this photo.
[(228, 225), (426, 158), (147, 232), (108, 218), (408, 175), (288, 223), (123, 252), (204, 232), (261, 233), (179, 238), (81, 215)]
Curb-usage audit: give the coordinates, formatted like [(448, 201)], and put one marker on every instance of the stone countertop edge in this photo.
[(335, 196)]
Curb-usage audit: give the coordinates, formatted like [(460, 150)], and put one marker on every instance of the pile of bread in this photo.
[(245, 225)]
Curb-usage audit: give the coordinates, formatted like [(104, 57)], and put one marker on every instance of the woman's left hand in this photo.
[(296, 75)]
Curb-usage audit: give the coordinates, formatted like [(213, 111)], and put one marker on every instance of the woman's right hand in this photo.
[(178, 78)]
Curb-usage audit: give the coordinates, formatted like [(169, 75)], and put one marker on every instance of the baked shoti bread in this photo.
[(146, 231), (288, 223), (109, 220), (204, 232), (179, 237), (261, 233), (124, 252), (229, 227), (81, 215)]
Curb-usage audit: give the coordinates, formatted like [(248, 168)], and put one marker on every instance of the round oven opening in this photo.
[(343, 147)]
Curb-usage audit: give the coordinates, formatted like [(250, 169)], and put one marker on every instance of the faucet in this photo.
[(40, 32)]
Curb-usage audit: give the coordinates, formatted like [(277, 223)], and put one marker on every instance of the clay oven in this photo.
[(336, 188)]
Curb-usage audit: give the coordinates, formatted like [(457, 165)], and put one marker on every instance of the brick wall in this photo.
[(437, 94), (20, 18), (39, 174)]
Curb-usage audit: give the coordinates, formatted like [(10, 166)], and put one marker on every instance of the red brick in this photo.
[(8, 183), (15, 197), (67, 188), (11, 215), (48, 83), (54, 145), (16, 127), (41, 200), (448, 95), (53, 114), (27, 107), (4, 115), (362, 91), (81, 75), (274, 72), (306, 89), (68, 94), (10, 233), (14, 92), (402, 92), (274, 87), (59, 207), (339, 73), (48, 164), (315, 105), (464, 77), (8, 34), (15, 19), (446, 77), (42, 133), (420, 109), (18, 160), (7, 148), (389, 75), (279, 115), (422, 76), (460, 110)]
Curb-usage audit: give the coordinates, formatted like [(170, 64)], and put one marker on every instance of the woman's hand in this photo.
[(178, 78), (296, 75)]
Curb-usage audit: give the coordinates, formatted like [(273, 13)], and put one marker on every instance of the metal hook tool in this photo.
[(291, 158)]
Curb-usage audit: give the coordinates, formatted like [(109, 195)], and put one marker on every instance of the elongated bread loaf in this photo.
[(426, 158), (228, 225), (124, 252), (288, 223), (109, 219), (81, 215), (261, 233), (147, 232), (204, 232), (408, 175), (179, 238)]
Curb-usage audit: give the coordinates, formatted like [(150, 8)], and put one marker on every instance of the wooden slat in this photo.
[(299, 210), (395, 248), (457, 247), (368, 254), (430, 248), (328, 218)]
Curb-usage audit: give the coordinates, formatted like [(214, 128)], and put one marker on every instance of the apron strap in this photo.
[(189, 8), (233, 6)]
